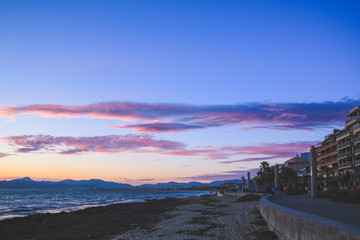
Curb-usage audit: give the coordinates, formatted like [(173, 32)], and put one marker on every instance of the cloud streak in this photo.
[(2, 155), (276, 150), (159, 127), (248, 160), (158, 118), (270, 150), (127, 111), (147, 144), (79, 145)]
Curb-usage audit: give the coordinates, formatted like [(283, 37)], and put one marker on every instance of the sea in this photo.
[(24, 202)]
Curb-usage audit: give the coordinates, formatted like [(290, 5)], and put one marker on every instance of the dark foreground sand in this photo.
[(206, 217)]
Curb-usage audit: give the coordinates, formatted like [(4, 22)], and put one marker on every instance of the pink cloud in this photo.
[(159, 127), (146, 144), (272, 151), (248, 160), (181, 117), (280, 150), (118, 110), (283, 127), (77, 145), (7, 112)]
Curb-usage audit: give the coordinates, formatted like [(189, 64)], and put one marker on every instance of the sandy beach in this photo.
[(207, 217)]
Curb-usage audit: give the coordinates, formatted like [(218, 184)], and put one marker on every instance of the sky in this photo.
[(156, 91)]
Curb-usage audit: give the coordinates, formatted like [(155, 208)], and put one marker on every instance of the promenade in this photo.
[(342, 212)]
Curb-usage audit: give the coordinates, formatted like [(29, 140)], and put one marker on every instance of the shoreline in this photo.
[(203, 217), (74, 202)]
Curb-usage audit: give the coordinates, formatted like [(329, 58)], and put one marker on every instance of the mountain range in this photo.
[(27, 182)]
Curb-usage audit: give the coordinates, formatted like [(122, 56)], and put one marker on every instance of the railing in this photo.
[(343, 145), (352, 119), (323, 161), (357, 162), (357, 150), (341, 155), (356, 127), (357, 139), (345, 164), (327, 154), (342, 134)]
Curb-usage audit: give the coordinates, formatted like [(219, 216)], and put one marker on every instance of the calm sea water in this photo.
[(23, 202)]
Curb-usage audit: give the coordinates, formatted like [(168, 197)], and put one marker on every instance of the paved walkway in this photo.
[(342, 212)]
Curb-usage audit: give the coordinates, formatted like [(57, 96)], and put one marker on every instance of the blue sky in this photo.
[(231, 56)]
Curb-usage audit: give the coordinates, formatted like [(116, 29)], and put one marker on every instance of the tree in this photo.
[(243, 182), (288, 176), (266, 175), (264, 166)]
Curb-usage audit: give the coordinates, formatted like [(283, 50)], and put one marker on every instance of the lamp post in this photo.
[(327, 179), (313, 171), (277, 178), (243, 183), (248, 181)]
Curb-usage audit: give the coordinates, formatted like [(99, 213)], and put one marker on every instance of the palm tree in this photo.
[(266, 175), (264, 166)]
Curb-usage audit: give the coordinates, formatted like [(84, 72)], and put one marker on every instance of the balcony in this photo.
[(342, 135), (357, 151), (357, 162), (351, 121), (343, 155), (324, 156), (327, 163), (327, 160), (356, 128), (357, 139), (343, 145), (345, 164)]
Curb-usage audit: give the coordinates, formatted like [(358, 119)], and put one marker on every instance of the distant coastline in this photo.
[(28, 183)]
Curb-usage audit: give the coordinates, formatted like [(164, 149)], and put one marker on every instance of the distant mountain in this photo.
[(27, 182), (25, 179), (93, 183)]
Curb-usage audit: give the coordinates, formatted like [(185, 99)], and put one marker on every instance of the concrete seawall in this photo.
[(291, 224)]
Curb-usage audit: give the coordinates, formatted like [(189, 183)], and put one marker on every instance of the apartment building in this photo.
[(297, 164), (327, 156), (348, 143)]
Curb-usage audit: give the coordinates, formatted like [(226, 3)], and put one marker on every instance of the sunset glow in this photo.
[(171, 91)]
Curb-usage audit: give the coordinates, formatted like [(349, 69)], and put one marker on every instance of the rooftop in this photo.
[(354, 112)]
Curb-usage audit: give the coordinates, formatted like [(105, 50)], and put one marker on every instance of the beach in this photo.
[(233, 216)]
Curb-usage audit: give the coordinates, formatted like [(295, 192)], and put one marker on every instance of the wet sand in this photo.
[(206, 217)]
